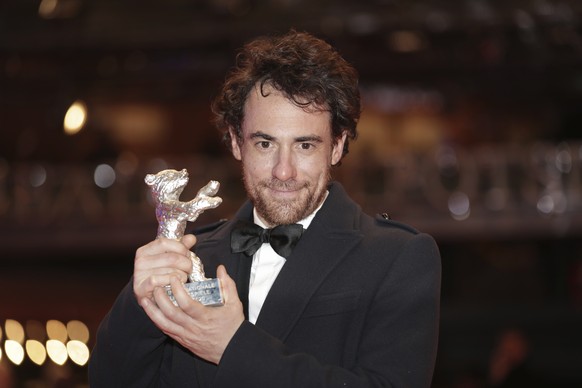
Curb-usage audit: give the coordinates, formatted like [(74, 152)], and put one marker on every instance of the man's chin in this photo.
[(284, 215), (280, 207)]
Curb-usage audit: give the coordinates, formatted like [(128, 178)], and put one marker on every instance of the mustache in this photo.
[(276, 184)]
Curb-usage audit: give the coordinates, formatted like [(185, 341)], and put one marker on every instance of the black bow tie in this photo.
[(248, 237)]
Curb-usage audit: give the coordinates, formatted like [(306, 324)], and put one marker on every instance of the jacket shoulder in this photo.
[(208, 227), (384, 220)]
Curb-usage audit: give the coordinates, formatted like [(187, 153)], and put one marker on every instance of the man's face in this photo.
[(286, 154)]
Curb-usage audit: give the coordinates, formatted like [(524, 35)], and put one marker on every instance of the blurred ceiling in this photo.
[(159, 63), (446, 32), (177, 51)]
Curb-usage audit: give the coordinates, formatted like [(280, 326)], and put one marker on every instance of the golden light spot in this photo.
[(57, 351), (78, 352), (14, 351), (36, 351), (75, 118), (78, 331), (56, 330), (14, 331)]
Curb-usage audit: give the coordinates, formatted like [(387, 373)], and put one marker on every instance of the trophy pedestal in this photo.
[(207, 292)]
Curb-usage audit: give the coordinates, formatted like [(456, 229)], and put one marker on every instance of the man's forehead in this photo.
[(266, 90)]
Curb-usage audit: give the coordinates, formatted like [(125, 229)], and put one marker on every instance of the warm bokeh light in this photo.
[(56, 330), (47, 8), (14, 351), (78, 331), (35, 330), (14, 331), (36, 351), (78, 352), (57, 351), (75, 118), (406, 41)]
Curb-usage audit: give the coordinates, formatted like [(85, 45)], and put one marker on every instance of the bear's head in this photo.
[(167, 185)]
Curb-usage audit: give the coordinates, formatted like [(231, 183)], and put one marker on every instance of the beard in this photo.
[(281, 212)]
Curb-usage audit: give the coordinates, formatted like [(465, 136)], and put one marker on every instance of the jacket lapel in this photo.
[(331, 235)]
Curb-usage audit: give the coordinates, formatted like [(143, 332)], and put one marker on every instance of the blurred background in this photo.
[(471, 131)]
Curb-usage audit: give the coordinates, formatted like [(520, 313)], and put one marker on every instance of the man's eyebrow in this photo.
[(261, 135), (309, 139), (300, 139)]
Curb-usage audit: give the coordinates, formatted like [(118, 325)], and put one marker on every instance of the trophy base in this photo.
[(207, 292)]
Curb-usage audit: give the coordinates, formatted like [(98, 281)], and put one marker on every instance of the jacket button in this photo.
[(385, 216)]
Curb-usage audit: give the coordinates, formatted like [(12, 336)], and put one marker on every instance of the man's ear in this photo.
[(235, 147), (338, 149)]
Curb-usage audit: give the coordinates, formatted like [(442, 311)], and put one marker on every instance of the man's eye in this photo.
[(306, 146), (264, 144)]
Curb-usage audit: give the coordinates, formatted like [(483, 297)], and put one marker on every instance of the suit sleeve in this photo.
[(129, 351), (398, 341)]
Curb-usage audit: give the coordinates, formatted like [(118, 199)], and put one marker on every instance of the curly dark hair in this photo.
[(305, 69)]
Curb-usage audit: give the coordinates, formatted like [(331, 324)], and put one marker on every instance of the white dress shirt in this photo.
[(266, 267)]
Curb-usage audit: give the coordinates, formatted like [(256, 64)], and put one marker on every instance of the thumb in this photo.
[(228, 285), (189, 240)]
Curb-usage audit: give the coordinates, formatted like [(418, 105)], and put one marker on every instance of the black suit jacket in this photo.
[(355, 305)]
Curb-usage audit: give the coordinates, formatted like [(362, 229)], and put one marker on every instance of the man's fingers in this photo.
[(183, 298), (163, 312), (164, 279), (143, 286), (161, 245), (163, 263)]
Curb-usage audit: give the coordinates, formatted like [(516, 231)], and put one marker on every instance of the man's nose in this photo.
[(284, 168)]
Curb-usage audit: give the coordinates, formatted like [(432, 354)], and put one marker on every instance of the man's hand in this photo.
[(205, 331), (158, 262)]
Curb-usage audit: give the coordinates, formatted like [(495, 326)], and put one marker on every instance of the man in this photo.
[(355, 303)]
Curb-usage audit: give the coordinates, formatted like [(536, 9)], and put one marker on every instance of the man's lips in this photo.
[(284, 191)]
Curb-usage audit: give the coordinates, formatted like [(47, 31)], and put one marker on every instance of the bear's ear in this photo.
[(150, 179)]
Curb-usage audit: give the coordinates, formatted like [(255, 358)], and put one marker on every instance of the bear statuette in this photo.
[(173, 214)]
